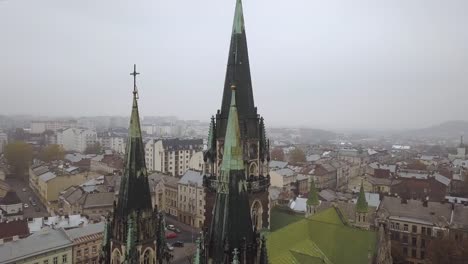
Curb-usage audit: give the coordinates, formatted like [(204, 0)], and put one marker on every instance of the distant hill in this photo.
[(446, 130)]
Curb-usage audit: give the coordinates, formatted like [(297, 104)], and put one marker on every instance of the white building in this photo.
[(76, 139), (191, 204), (38, 127), (112, 141), (3, 141), (171, 156), (196, 162)]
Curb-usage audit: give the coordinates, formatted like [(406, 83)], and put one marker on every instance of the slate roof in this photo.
[(285, 172), (41, 242), (47, 176), (182, 144), (76, 233), (192, 177), (413, 210), (442, 179), (40, 170), (105, 199), (460, 216), (277, 164)]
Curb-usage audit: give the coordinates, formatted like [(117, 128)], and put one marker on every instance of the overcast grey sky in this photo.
[(323, 64)]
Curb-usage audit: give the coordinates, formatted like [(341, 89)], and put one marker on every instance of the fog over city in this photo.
[(323, 64)]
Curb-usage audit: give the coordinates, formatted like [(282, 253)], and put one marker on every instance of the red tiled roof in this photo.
[(14, 228)]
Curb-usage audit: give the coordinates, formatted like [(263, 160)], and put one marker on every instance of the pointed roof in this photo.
[(134, 188), (232, 157), (238, 69), (361, 204), (313, 196)]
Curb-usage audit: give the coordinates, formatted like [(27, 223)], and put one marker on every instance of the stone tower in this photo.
[(253, 143), (362, 210), (133, 229)]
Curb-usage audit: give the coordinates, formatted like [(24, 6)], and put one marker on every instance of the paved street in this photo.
[(29, 212), (188, 235)]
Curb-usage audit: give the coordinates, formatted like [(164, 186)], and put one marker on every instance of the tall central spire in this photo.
[(238, 70), (134, 188)]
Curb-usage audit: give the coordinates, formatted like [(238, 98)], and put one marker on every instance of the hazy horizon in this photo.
[(328, 65)]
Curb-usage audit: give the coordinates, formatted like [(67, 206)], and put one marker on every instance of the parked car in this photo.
[(25, 205), (178, 244), (170, 227), (171, 248), (170, 234)]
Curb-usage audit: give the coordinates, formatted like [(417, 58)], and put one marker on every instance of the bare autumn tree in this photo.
[(19, 155), (443, 250), (277, 154), (52, 152), (397, 253), (297, 155)]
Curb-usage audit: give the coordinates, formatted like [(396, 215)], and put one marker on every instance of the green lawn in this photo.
[(280, 219)]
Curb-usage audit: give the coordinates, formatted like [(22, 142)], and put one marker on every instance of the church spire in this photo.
[(361, 204), (312, 199), (238, 69), (134, 189)]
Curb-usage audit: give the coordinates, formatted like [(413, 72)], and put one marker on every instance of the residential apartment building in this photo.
[(76, 200), (86, 243), (282, 178), (39, 127), (11, 207), (191, 201), (413, 224), (3, 141), (112, 141), (76, 139), (50, 246), (171, 190), (106, 164), (47, 182), (171, 156)]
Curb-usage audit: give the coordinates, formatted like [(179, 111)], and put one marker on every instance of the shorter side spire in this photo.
[(361, 204), (312, 199)]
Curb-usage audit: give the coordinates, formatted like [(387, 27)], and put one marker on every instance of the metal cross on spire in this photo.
[(134, 73)]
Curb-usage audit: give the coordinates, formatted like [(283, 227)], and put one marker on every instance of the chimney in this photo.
[(15, 238)]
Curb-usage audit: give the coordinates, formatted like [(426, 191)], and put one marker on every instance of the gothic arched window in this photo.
[(256, 214), (147, 257)]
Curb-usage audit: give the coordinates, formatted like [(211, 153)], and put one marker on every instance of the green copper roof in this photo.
[(313, 197), (134, 191), (323, 238), (131, 239), (361, 205), (232, 158), (238, 25)]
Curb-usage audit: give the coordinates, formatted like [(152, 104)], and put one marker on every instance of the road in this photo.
[(188, 235), (30, 212)]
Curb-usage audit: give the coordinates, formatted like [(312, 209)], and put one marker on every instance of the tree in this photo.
[(442, 250), (19, 155), (52, 152), (297, 155), (93, 148), (277, 154)]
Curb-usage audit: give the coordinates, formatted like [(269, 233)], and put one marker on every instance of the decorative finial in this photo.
[(134, 73), (233, 87)]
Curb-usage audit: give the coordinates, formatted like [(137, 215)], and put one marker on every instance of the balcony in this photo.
[(254, 184)]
